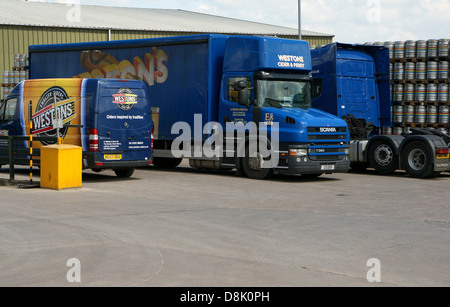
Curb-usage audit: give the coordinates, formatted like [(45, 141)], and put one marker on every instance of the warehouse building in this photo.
[(24, 23)]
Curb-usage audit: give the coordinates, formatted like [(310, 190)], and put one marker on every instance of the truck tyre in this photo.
[(166, 162), (124, 172), (417, 160), (383, 158), (251, 165)]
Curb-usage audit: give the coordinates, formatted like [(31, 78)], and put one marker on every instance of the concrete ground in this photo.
[(190, 228)]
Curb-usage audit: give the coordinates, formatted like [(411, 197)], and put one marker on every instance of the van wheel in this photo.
[(251, 165), (124, 172), (166, 162), (383, 158), (417, 160)]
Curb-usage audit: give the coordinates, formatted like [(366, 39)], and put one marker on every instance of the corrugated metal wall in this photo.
[(318, 40), (16, 39)]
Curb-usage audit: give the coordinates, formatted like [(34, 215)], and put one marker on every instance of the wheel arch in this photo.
[(242, 146), (431, 141), (394, 140)]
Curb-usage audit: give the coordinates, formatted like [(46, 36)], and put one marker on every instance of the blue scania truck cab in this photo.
[(220, 93), (353, 82)]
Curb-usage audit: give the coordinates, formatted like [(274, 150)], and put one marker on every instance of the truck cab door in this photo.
[(231, 110)]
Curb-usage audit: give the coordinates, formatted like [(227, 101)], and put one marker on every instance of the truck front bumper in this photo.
[(91, 161), (304, 165)]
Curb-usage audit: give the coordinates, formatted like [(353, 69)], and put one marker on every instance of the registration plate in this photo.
[(112, 157), (443, 156), (328, 167)]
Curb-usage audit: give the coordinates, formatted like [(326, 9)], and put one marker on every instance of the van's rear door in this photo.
[(124, 121)]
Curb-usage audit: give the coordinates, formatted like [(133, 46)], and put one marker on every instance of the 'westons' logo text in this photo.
[(125, 99), (45, 116), (151, 68), (291, 61)]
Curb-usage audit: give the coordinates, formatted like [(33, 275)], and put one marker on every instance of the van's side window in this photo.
[(233, 93), (8, 109)]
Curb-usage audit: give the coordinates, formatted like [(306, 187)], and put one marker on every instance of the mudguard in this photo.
[(394, 140), (432, 141)]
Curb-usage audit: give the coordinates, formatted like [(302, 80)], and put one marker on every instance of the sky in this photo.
[(351, 21)]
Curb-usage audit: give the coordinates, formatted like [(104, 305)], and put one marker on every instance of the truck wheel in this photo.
[(124, 172), (166, 162), (251, 165), (383, 158), (417, 160)]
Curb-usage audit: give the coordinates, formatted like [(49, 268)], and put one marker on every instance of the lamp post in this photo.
[(300, 19)]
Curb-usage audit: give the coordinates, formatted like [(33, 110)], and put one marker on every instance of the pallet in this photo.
[(415, 60), (420, 59), (444, 80), (20, 68), (443, 58), (421, 81), (419, 103), (425, 125), (413, 81), (9, 84)]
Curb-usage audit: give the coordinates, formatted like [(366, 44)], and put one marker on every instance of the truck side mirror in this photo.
[(243, 95)]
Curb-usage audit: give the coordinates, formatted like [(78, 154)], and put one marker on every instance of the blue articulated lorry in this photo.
[(223, 102), (353, 83)]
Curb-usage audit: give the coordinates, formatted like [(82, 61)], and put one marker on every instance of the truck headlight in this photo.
[(298, 152)]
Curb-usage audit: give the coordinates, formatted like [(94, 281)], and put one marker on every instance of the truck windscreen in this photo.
[(283, 94)]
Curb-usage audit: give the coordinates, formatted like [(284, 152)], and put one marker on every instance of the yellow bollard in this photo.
[(61, 166)]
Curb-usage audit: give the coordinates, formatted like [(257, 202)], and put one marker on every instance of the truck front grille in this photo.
[(327, 143)]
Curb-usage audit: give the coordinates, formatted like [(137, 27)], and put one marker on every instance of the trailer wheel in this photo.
[(417, 160), (166, 162), (383, 158), (251, 165), (124, 172)]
